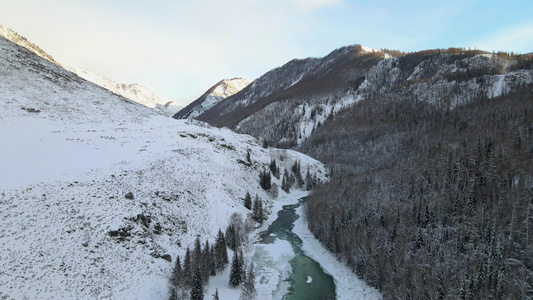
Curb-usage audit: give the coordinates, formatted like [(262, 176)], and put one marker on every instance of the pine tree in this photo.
[(309, 180), (197, 249), (205, 262), (221, 253), (265, 180), (248, 201), (197, 290), (242, 267), (187, 268), (258, 214), (215, 296), (248, 287), (176, 272), (272, 166), (235, 273), (212, 262), (231, 237)]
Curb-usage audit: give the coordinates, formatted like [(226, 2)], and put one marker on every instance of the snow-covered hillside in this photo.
[(134, 92), (98, 193), (220, 91)]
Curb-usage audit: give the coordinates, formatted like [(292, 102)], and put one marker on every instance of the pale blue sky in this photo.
[(181, 48)]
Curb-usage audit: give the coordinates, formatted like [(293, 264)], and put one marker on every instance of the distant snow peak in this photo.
[(220, 91), (229, 87), (134, 92)]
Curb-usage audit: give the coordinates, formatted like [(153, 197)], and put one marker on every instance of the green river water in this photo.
[(308, 280)]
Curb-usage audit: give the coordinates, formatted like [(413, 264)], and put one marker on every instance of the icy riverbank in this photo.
[(348, 286)]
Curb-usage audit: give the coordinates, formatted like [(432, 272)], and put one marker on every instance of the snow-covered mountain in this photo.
[(99, 193), (22, 41), (135, 92), (220, 91), (285, 105)]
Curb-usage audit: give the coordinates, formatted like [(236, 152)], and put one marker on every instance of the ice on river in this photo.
[(272, 269)]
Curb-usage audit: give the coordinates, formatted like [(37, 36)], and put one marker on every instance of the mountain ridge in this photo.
[(300, 95), (134, 92), (218, 92)]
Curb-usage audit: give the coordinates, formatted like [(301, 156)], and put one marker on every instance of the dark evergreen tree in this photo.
[(231, 237), (236, 271), (258, 214), (265, 180), (212, 262), (272, 166), (309, 180), (197, 254), (221, 253), (176, 273), (285, 184), (242, 266), (274, 169), (248, 201), (215, 296), (205, 262), (197, 290), (187, 268)]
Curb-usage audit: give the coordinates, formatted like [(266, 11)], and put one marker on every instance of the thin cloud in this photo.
[(517, 39), (309, 5)]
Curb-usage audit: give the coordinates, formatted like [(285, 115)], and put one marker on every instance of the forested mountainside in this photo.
[(431, 155), (430, 203), (285, 105)]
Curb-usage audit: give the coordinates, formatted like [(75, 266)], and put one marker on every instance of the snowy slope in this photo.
[(22, 41), (220, 91), (71, 152), (135, 92)]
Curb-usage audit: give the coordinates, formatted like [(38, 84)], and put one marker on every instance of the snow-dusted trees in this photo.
[(199, 263), (248, 285), (235, 276), (221, 253), (265, 180), (428, 201), (274, 169), (197, 290), (258, 213), (248, 200)]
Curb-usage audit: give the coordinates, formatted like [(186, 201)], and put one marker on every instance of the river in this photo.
[(307, 280)]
